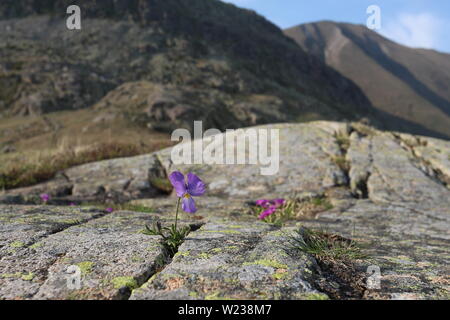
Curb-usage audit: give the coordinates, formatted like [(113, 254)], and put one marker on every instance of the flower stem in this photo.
[(176, 215)]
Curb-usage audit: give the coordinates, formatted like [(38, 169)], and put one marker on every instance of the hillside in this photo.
[(228, 60), (411, 84)]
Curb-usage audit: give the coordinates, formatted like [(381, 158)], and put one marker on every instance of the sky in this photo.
[(414, 23)]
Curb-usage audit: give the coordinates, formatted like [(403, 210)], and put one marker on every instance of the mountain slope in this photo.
[(197, 44), (412, 84)]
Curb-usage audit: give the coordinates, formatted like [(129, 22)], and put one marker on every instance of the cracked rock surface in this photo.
[(387, 191)]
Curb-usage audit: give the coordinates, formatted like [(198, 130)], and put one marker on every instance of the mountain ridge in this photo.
[(414, 82), (144, 67)]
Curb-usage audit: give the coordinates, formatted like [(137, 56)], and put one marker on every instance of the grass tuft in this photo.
[(343, 140), (342, 163), (326, 246)]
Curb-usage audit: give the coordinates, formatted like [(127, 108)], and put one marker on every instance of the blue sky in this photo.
[(415, 23)]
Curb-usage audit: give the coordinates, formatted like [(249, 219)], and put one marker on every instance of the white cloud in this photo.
[(421, 30)]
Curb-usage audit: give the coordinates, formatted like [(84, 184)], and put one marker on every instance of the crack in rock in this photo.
[(420, 162)]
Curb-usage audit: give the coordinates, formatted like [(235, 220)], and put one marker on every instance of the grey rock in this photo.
[(391, 195), (112, 254), (226, 261)]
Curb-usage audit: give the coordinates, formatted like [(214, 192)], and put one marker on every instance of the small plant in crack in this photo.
[(342, 163), (343, 140), (325, 246), (173, 236), (272, 211), (45, 198), (337, 258), (279, 211)]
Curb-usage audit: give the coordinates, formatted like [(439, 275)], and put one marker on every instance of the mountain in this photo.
[(138, 69), (197, 59), (411, 84)]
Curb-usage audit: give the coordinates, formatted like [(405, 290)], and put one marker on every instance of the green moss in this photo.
[(24, 276), (11, 275), (223, 231), (217, 250), (193, 294), (85, 267), (267, 263), (71, 221), (232, 281), (17, 244), (216, 296), (280, 275), (316, 296), (136, 258), (28, 277), (204, 255), (182, 253), (121, 282), (278, 233), (36, 245)]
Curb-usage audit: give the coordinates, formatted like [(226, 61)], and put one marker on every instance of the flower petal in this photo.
[(262, 202), (195, 186), (177, 180), (188, 205), (267, 213)]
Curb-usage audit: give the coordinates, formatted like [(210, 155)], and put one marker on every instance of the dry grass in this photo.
[(43, 145), (25, 169)]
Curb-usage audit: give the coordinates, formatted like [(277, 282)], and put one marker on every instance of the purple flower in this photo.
[(194, 187), (267, 212), (262, 202), (268, 203), (45, 197), (109, 210), (270, 206)]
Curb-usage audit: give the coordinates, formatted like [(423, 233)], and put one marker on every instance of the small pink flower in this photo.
[(262, 202), (270, 205), (267, 212), (109, 210), (45, 197)]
